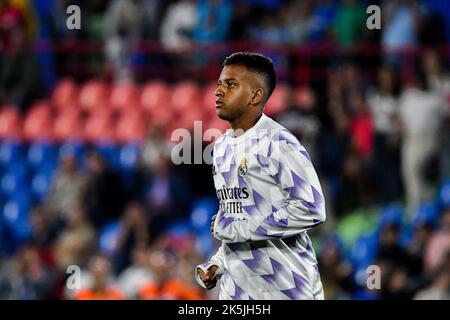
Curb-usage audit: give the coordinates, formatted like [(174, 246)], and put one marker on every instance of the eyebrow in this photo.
[(228, 79)]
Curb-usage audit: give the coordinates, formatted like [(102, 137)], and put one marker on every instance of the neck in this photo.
[(245, 122)]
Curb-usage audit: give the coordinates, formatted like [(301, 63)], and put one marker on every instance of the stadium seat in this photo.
[(202, 211), (110, 153), (68, 126), (363, 252), (73, 147), (185, 96), (93, 94), (154, 96), (278, 101), (108, 238), (15, 179), (40, 184), (41, 153), (391, 214), (427, 212), (99, 129), (11, 152), (444, 194), (208, 107), (217, 123), (302, 98), (124, 97), (129, 156), (38, 123), (130, 128), (65, 95), (10, 123)]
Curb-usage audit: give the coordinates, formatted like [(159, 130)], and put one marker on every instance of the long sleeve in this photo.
[(217, 260), (293, 177)]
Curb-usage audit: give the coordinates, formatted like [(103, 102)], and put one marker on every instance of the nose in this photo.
[(218, 93)]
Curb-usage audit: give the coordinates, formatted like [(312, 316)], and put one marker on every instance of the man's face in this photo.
[(234, 92)]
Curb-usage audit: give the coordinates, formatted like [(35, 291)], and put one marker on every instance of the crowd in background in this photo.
[(376, 125)]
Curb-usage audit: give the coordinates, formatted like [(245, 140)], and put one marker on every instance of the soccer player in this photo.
[(269, 194)]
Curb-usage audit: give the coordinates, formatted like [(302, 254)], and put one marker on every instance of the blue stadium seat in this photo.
[(427, 212), (110, 152), (42, 153), (73, 147), (129, 156), (205, 244), (40, 184), (201, 214), (364, 251), (16, 211), (10, 152), (108, 238), (391, 214), (444, 194), (14, 179)]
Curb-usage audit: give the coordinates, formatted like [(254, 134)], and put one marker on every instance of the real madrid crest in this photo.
[(242, 169)]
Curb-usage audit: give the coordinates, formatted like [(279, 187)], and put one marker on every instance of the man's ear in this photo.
[(257, 96)]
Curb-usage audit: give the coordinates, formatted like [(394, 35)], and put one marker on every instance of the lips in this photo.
[(219, 104)]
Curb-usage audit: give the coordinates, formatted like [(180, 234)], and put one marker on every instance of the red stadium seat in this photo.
[(38, 123), (217, 123), (185, 96), (131, 128), (278, 101), (68, 126), (209, 99), (154, 96), (99, 129), (10, 123), (40, 109), (92, 94), (124, 96), (302, 98), (65, 94)]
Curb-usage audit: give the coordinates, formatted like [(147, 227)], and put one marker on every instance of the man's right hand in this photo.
[(209, 279)]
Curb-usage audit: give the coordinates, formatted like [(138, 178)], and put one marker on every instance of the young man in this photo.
[(269, 194)]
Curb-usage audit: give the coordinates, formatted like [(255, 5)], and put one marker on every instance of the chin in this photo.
[(222, 116)]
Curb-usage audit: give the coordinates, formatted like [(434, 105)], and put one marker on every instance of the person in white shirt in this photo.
[(269, 195)]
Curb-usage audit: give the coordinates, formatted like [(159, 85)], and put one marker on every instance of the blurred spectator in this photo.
[(401, 22), (169, 283), (166, 196), (439, 245), (213, 22), (301, 119), (269, 30), (102, 284), (385, 163), (178, 24), (128, 22), (76, 242), (66, 189), (44, 231), (323, 16), (155, 145), (136, 274), (335, 271), (298, 20), (25, 277), (133, 230), (422, 114), (436, 73), (103, 197), (349, 23), (439, 289), (20, 82)]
